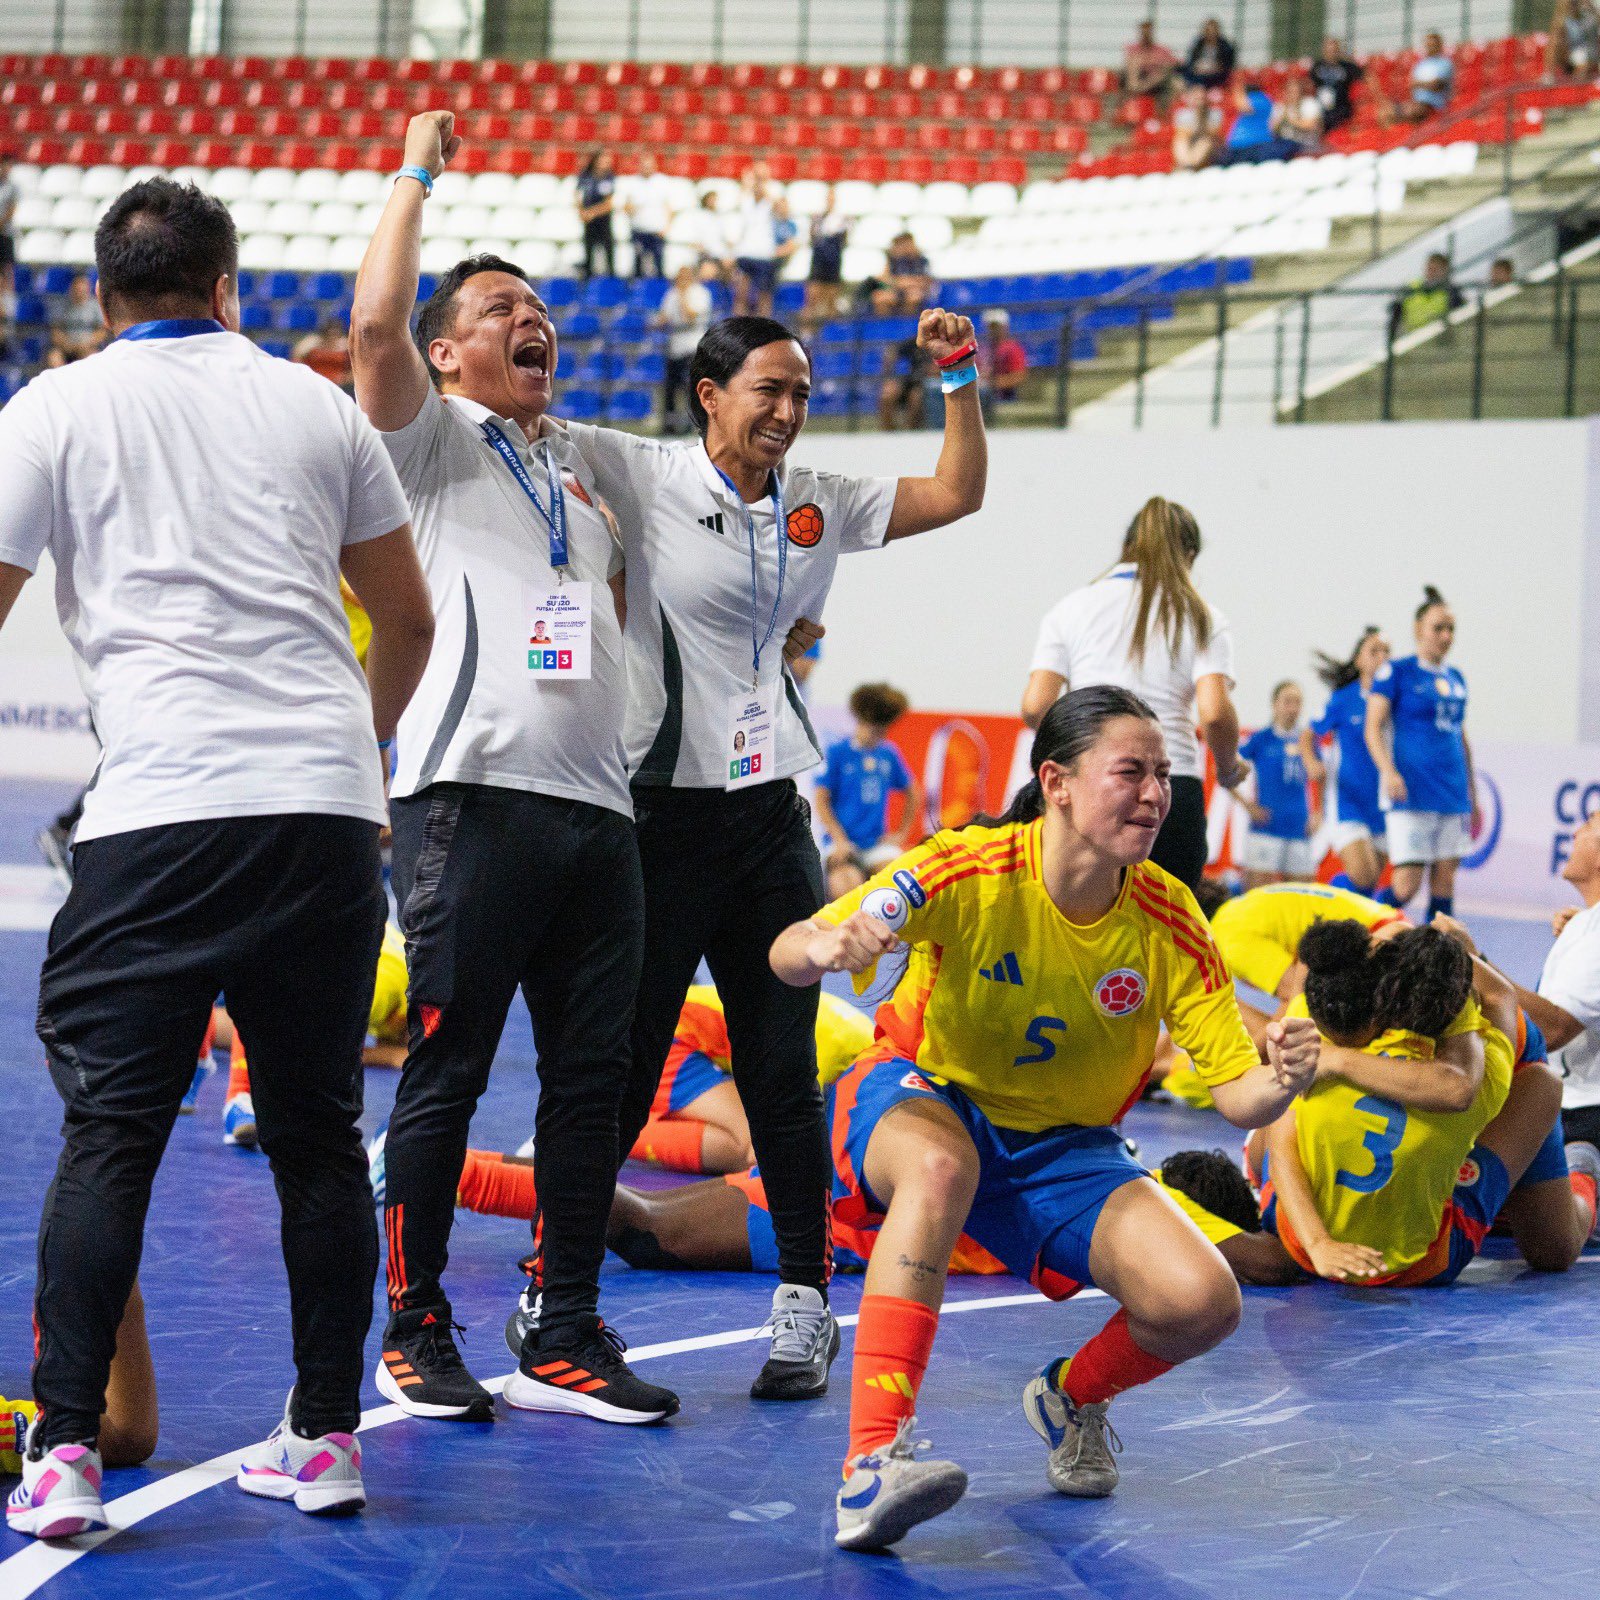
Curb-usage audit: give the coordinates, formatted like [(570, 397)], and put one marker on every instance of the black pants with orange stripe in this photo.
[(283, 915), (501, 889), (725, 873)]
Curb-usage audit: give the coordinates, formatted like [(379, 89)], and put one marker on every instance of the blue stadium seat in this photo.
[(649, 366), (57, 280), (721, 299), (282, 285), (247, 283), (581, 326), (598, 366), (580, 405), (1042, 321), (22, 278), (603, 294), (631, 327), (278, 347), (836, 362), (31, 311), (427, 282), (872, 357), (328, 286), (832, 400), (959, 294), (1241, 271), (559, 293), (299, 318), (254, 318), (30, 351), (888, 329), (629, 405), (838, 332), (790, 297), (645, 294), (566, 362), (11, 380)]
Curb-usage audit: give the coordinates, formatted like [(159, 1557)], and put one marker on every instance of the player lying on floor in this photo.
[(1393, 1166)]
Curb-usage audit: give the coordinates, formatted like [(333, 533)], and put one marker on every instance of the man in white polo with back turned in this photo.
[(200, 500), (515, 863)]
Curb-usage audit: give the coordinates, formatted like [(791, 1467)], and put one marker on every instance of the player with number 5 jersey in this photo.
[(1045, 954)]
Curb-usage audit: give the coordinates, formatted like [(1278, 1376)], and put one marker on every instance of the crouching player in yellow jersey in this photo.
[(1393, 1167), (1045, 953)]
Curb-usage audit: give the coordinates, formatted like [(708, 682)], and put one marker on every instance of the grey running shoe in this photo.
[(889, 1492), (805, 1339), (1583, 1157), (1081, 1439)]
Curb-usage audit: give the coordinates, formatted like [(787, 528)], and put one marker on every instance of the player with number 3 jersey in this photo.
[(1045, 953)]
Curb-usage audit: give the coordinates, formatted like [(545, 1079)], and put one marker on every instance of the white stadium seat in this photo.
[(306, 254), (41, 247), (261, 252)]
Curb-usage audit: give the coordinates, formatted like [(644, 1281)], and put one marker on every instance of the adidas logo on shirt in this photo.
[(713, 522), (1005, 970)]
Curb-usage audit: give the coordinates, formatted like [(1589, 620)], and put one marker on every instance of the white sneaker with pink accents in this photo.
[(322, 1476), (59, 1495)]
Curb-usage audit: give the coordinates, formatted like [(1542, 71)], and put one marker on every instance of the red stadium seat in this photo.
[(122, 152), (514, 160), (213, 153), (574, 73), (155, 123), (664, 74), (924, 78), (706, 133), (414, 72), (532, 127), (44, 152), (116, 122), (456, 72), (254, 153), (299, 154), (336, 69), (172, 152), (537, 72), (253, 68), (784, 166), (750, 133), (795, 134), (867, 168), (371, 69), (595, 99), (209, 68), (491, 126), (794, 75), (308, 96), (1064, 139), (344, 156), (100, 92), (576, 130), (74, 119), (726, 164), (15, 93), (513, 97), (125, 67), (707, 75), (197, 122), (963, 169), (497, 72), (239, 124), (264, 96), (555, 98), (624, 74), (638, 101), (932, 136), (917, 169), (279, 125), (33, 120), (748, 75), (319, 124), (362, 125), (390, 97)]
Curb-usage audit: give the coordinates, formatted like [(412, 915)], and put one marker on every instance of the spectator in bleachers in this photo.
[(327, 352), (1002, 361), (1254, 136), (905, 284), (685, 313), (78, 329), (1300, 116), (785, 236), (1430, 299), (1147, 67), (1433, 81), (1196, 127), (708, 235), (901, 402), (1502, 272), (649, 215), (1573, 50), (597, 199), (830, 231), (1334, 77), (755, 250), (1209, 64)]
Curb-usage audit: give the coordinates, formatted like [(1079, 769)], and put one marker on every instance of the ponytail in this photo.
[(1335, 673), (1067, 729), (1430, 598), (1163, 541)]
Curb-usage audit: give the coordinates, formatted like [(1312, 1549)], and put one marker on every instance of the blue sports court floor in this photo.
[(1387, 1446)]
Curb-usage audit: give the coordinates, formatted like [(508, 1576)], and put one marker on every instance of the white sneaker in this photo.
[(59, 1495), (1583, 1157), (889, 1492), (322, 1476), (525, 1149), (239, 1122), (805, 1339), (1081, 1439)]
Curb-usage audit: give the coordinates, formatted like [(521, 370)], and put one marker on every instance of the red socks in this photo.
[(894, 1339), (491, 1184), (1584, 1187), (674, 1142), (1109, 1363), (238, 1068)]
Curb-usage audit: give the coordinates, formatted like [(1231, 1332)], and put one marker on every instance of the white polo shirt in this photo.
[(1087, 639), (689, 604), (1571, 980), (479, 715), (195, 495), (651, 201)]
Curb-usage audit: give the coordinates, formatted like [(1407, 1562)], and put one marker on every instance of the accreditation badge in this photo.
[(559, 633), (750, 729)]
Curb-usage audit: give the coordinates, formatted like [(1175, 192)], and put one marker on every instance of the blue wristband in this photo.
[(949, 382), (385, 745), (421, 174)]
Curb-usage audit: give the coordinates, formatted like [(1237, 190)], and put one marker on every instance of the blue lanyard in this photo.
[(171, 328), (555, 519), (757, 646)]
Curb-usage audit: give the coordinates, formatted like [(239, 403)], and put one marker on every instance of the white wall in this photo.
[(1311, 533)]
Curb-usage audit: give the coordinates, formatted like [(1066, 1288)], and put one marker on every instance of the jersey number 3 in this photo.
[(1044, 1049), (1381, 1142)]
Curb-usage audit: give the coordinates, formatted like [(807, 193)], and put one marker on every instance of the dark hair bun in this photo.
[(1432, 595), (1334, 946)]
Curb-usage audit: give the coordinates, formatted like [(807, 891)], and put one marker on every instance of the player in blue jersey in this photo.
[(852, 794), (1280, 815), (1354, 814), (1416, 733)]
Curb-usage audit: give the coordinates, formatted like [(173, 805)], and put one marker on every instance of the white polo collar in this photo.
[(713, 479), (478, 414)]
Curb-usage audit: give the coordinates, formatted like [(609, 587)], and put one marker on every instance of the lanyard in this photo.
[(757, 646), (555, 519), (171, 328)]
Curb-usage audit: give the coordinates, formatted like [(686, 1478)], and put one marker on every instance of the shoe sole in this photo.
[(475, 1411), (64, 1521), (316, 1500), (528, 1395), (244, 1138), (814, 1393), (932, 1497)]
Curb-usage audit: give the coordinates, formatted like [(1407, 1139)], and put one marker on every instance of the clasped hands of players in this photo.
[(1293, 1047)]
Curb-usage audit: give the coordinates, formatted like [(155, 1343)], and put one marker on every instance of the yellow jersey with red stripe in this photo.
[(1258, 932), (843, 1032), (1383, 1174), (1041, 1022)]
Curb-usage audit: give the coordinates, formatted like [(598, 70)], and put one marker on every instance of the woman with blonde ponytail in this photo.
[(1144, 627)]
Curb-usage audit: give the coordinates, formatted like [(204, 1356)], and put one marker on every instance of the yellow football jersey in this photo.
[(387, 1020), (1259, 932), (15, 1415), (1208, 1222), (1382, 1173), (843, 1031), (357, 620), (1044, 1023)]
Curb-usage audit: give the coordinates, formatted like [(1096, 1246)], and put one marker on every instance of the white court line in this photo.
[(27, 1571)]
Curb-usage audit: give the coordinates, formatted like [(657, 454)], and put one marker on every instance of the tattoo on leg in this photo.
[(920, 1270)]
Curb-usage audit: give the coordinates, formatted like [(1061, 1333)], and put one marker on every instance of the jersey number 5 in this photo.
[(1381, 1142), (1044, 1049)]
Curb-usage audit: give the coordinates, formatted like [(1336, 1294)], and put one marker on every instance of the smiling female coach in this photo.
[(728, 545)]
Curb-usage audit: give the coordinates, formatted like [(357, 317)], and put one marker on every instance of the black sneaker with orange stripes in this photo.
[(584, 1372), (421, 1370)]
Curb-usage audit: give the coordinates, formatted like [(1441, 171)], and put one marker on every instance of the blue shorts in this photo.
[(764, 1240), (1551, 1161), (683, 1082), (1039, 1194), (763, 275)]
